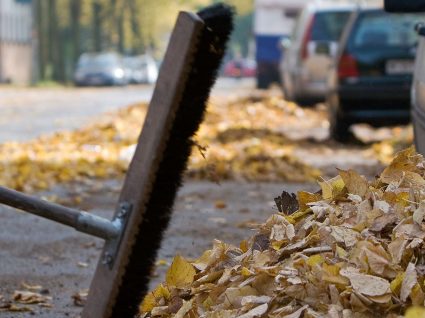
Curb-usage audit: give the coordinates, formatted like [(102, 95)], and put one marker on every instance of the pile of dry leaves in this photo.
[(242, 138), (354, 249), (247, 139)]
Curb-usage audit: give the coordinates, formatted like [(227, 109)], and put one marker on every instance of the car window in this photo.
[(101, 60), (106, 60), (328, 26), (382, 29)]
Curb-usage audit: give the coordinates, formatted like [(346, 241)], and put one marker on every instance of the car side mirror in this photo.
[(400, 6)]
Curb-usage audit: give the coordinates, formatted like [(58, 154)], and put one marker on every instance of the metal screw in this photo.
[(107, 258), (123, 210)]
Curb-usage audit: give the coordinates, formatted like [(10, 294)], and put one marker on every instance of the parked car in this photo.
[(240, 68), (141, 69), (309, 53), (418, 86), (97, 69), (273, 20), (372, 76)]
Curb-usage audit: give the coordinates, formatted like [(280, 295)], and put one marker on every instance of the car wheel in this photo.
[(305, 101), (339, 129), (263, 82)]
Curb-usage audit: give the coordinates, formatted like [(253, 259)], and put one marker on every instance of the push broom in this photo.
[(176, 110)]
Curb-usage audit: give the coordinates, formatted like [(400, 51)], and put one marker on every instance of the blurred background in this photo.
[(42, 40), (305, 87)]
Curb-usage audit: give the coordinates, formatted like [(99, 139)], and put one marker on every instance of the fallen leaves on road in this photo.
[(244, 138), (353, 250), (80, 297), (24, 301), (247, 139), (28, 297), (397, 139), (10, 307)]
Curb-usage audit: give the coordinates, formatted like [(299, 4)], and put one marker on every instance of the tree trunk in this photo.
[(135, 28), (121, 32), (42, 52), (55, 45), (75, 10), (97, 21)]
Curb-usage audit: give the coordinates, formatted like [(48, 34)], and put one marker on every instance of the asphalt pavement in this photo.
[(34, 251), (26, 113), (61, 261)]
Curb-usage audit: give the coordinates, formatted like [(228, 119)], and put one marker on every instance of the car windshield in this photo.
[(328, 26), (132, 62), (379, 29), (104, 60)]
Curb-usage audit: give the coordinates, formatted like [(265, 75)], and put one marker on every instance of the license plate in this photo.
[(400, 67)]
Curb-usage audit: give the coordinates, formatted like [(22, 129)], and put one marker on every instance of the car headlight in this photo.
[(119, 72)]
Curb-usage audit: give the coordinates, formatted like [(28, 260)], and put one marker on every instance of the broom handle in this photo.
[(81, 221)]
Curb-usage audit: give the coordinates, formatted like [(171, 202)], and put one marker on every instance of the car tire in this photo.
[(339, 129), (305, 102), (263, 82)]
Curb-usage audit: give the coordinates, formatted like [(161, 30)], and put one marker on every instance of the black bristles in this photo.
[(202, 75), (219, 18)]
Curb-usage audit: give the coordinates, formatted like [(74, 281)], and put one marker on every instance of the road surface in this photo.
[(26, 113), (35, 251)]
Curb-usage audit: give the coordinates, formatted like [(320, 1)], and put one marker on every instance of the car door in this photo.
[(418, 93), (322, 46)]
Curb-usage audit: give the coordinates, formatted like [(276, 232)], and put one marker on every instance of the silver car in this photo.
[(141, 69), (309, 53), (418, 86), (418, 93), (99, 69)]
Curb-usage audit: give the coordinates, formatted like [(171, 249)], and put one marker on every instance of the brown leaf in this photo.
[(410, 279), (355, 183), (367, 285), (286, 203)]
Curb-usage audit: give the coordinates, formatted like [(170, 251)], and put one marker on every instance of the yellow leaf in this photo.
[(412, 179), (417, 295), (306, 197), (415, 312), (244, 246), (341, 252), (355, 183), (203, 262), (399, 166), (297, 215), (331, 275), (331, 188), (180, 274), (396, 283), (401, 198), (245, 272), (208, 303), (150, 301), (277, 245), (315, 260)]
